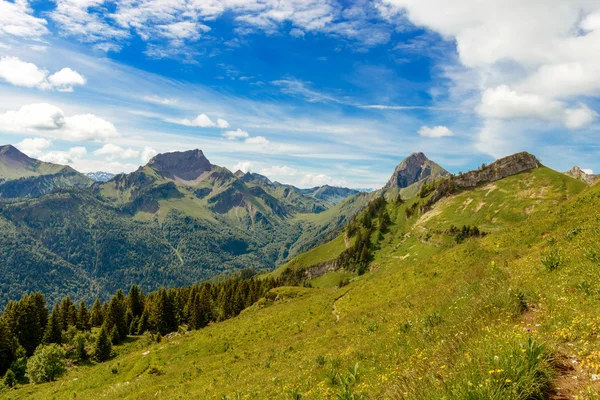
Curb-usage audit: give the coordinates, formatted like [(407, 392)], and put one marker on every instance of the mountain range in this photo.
[(177, 220)]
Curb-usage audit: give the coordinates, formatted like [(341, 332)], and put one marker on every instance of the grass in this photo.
[(484, 319)]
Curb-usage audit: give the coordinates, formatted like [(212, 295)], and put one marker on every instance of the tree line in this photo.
[(31, 335)]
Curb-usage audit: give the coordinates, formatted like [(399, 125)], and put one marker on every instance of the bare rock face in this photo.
[(499, 169), (186, 165), (414, 168), (578, 173)]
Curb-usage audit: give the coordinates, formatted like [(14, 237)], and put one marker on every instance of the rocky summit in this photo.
[(185, 165), (416, 167), (578, 173)]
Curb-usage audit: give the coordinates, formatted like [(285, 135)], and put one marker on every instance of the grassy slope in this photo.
[(445, 322)]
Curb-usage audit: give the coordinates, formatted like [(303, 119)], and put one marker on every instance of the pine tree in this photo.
[(6, 346), (53, 332), (143, 324), (164, 317), (83, 317), (135, 301), (115, 338), (29, 327), (96, 316), (102, 346), (116, 315)]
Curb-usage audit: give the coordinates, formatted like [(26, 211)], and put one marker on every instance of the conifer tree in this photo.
[(143, 324), (135, 301), (53, 332), (9, 379), (116, 315), (6, 346), (83, 317), (115, 338), (102, 346), (96, 316), (164, 317)]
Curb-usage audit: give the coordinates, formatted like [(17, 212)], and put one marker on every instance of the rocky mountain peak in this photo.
[(185, 165), (580, 174), (11, 155), (414, 168)]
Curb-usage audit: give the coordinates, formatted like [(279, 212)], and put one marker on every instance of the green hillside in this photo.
[(508, 314)]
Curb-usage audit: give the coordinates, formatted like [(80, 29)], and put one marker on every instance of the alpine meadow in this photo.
[(300, 199)]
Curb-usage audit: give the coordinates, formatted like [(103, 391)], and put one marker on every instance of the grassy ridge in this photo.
[(492, 318)]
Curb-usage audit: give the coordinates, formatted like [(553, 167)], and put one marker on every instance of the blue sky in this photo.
[(307, 92)]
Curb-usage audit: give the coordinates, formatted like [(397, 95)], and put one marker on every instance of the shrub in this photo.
[(553, 259), (10, 380), (47, 363)]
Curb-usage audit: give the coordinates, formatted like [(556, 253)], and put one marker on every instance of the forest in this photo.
[(36, 344)]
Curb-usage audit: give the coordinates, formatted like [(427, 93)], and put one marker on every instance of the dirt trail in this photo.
[(569, 380), (334, 309)]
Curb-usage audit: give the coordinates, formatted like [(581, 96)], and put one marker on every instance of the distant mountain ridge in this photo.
[(23, 176), (100, 176), (415, 168)]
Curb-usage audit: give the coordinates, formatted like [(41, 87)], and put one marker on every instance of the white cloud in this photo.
[(588, 171), (65, 157), (505, 103), (221, 123), (312, 180), (502, 102), (33, 147), (258, 140), (159, 100), (147, 154), (435, 132), (576, 118), (237, 134), (297, 33), (277, 170), (518, 70), (65, 79), (16, 20), (244, 166), (48, 120), (113, 151), (201, 121), (21, 73)]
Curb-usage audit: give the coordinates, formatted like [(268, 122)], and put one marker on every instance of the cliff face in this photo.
[(578, 173), (497, 170)]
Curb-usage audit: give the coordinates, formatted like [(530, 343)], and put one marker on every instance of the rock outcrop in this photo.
[(497, 170), (185, 165), (578, 173)]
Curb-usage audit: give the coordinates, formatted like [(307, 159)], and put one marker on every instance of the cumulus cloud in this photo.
[(588, 171), (113, 151), (435, 132), (517, 70), (244, 166), (237, 134), (65, 157), (312, 180), (33, 147), (201, 121), (221, 123), (147, 154), (48, 120), (20, 73), (576, 118), (16, 19)]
